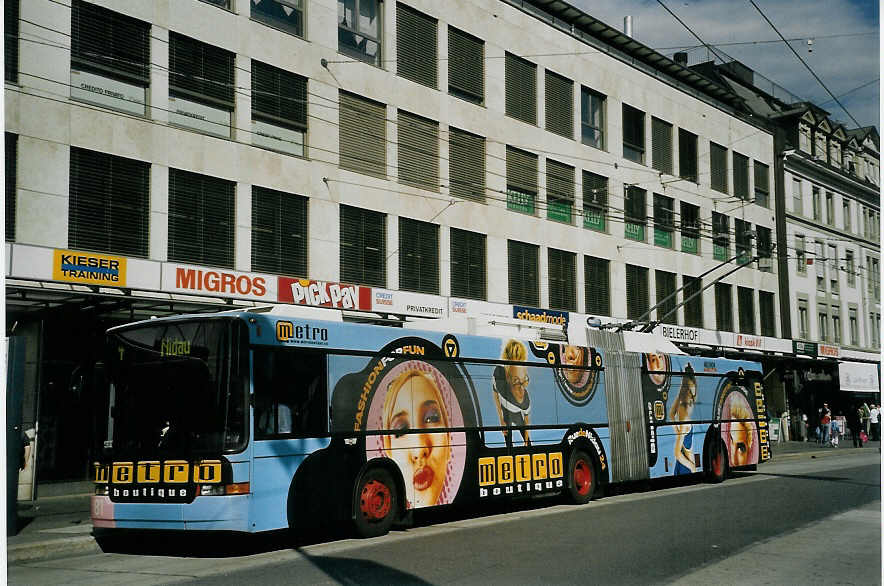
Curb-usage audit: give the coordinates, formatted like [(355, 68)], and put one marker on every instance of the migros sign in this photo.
[(520, 473)]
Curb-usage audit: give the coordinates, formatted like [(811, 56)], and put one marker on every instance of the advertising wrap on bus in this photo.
[(252, 422)]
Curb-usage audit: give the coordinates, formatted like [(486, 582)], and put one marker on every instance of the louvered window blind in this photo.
[(743, 240), (762, 188), (362, 128), (521, 180), (279, 232), (633, 134), (746, 309), (201, 219), (108, 203), (693, 307), (200, 72), (559, 104), (765, 245), (468, 265), (109, 43), (665, 283), (11, 170), (687, 155), (286, 15), (524, 282), (279, 96), (637, 298), (595, 201), (363, 246), (596, 276), (661, 145), (720, 236), (466, 165), (766, 313), (724, 312), (521, 89), (636, 205), (690, 228), (466, 66), (664, 220), (562, 280), (10, 41), (416, 57), (418, 256), (418, 151), (559, 191), (718, 167), (741, 176)]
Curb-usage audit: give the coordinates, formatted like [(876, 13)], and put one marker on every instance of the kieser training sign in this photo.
[(88, 268), (324, 294)]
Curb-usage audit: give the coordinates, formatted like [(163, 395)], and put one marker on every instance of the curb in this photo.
[(50, 549), (821, 453)]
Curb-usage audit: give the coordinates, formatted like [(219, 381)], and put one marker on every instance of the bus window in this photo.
[(290, 393)]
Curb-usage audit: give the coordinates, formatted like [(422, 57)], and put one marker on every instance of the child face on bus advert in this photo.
[(415, 403), (656, 368)]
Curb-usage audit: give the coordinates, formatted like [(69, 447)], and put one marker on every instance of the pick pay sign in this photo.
[(324, 294)]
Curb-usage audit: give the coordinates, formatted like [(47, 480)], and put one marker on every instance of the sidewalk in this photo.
[(59, 526)]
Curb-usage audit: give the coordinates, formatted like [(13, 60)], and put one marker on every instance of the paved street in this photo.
[(802, 520)]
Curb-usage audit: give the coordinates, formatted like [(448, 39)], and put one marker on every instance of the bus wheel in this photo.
[(376, 503), (582, 480), (717, 469)]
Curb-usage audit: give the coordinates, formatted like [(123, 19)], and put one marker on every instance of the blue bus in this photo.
[(256, 420)]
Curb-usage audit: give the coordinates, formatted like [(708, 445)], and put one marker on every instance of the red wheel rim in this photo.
[(718, 463), (374, 502), (582, 477)]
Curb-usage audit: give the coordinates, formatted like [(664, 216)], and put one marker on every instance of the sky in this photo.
[(848, 64)]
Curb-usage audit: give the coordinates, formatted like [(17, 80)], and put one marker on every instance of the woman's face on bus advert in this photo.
[(573, 355), (422, 456)]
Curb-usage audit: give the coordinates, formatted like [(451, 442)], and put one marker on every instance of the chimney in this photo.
[(627, 26), (681, 58)]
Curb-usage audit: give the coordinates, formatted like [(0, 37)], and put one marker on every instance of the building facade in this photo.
[(394, 158)]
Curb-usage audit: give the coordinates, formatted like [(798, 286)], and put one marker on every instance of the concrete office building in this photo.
[(408, 158)]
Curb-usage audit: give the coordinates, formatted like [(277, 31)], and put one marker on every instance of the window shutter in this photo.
[(724, 313), (416, 46), (521, 89), (109, 43), (664, 212), (661, 145), (595, 201), (468, 274), (690, 220), (665, 282), (200, 71), (418, 256), (693, 301), (741, 176), (562, 280), (637, 298), (687, 155), (766, 311), (11, 170), (633, 134), (718, 167), (466, 66), (279, 232), (201, 219), (418, 151), (363, 246), (559, 191), (466, 165), (521, 178), (596, 273), (762, 185), (559, 105), (279, 96), (636, 205), (363, 144), (108, 203), (523, 276), (10, 45), (746, 310)]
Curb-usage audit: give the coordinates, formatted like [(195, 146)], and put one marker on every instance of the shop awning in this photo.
[(859, 377)]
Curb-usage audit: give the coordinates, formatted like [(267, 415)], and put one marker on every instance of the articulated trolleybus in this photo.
[(258, 420)]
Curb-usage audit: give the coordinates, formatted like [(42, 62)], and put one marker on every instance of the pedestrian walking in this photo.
[(825, 424), (854, 415), (836, 433), (866, 418), (874, 419), (803, 426)]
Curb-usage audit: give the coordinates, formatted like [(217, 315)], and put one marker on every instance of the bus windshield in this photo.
[(174, 390)]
